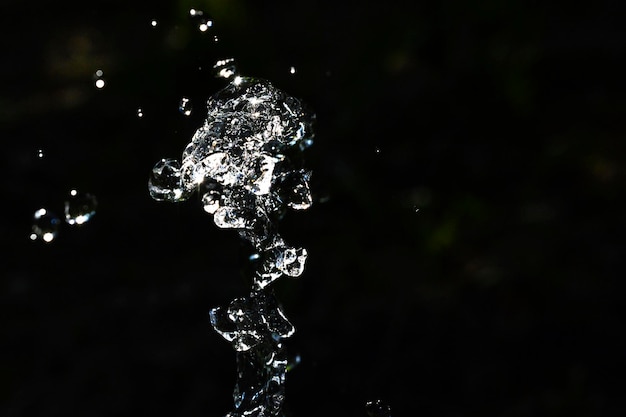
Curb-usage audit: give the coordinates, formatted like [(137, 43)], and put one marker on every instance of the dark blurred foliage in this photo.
[(466, 244)]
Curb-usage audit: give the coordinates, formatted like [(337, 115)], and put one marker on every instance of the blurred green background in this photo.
[(466, 244)]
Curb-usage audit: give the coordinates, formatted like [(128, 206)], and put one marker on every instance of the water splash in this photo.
[(245, 162)]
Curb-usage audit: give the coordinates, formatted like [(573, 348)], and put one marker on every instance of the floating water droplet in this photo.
[(211, 201), (377, 409), (215, 38), (153, 23), (292, 70), (99, 73), (165, 182), (225, 68), (184, 106), (45, 225), (80, 207), (100, 83), (140, 112), (40, 153), (194, 12), (377, 150)]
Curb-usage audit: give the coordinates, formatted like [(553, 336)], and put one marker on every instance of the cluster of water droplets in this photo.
[(78, 208), (245, 163)]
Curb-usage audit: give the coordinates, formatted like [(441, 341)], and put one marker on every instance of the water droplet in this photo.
[(194, 12), (292, 70), (140, 112), (99, 73), (211, 201), (377, 150), (40, 153), (80, 207), (153, 23), (377, 409), (165, 182), (185, 106), (45, 226), (225, 68), (215, 38), (99, 83)]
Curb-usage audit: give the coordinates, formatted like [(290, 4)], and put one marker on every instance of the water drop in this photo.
[(185, 106), (153, 23), (79, 207), (45, 226), (100, 83), (225, 68), (377, 409), (377, 150), (165, 183), (140, 112), (194, 12), (40, 153), (99, 73)]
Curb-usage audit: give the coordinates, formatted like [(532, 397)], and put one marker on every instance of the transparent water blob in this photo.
[(40, 153), (45, 226), (165, 183), (153, 23), (80, 207), (184, 106), (225, 68), (140, 112)]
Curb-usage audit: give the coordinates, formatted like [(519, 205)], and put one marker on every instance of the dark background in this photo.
[(465, 246)]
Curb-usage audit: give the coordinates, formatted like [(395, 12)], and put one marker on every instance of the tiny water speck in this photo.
[(139, 112), (40, 153), (100, 83), (153, 23), (292, 70)]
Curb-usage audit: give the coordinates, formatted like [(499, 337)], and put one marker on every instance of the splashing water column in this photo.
[(245, 163)]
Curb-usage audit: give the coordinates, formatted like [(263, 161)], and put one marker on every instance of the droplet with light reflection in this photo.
[(45, 226), (225, 68), (184, 106), (40, 153), (165, 182), (80, 207), (140, 112), (99, 81), (377, 408)]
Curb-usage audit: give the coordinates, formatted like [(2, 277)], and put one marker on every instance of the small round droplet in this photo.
[(165, 183), (185, 106), (377, 150), (45, 226), (40, 153), (140, 112), (100, 83), (99, 73), (153, 23), (292, 70), (79, 207)]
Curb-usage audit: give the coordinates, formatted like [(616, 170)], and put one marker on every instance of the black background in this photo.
[(465, 246)]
